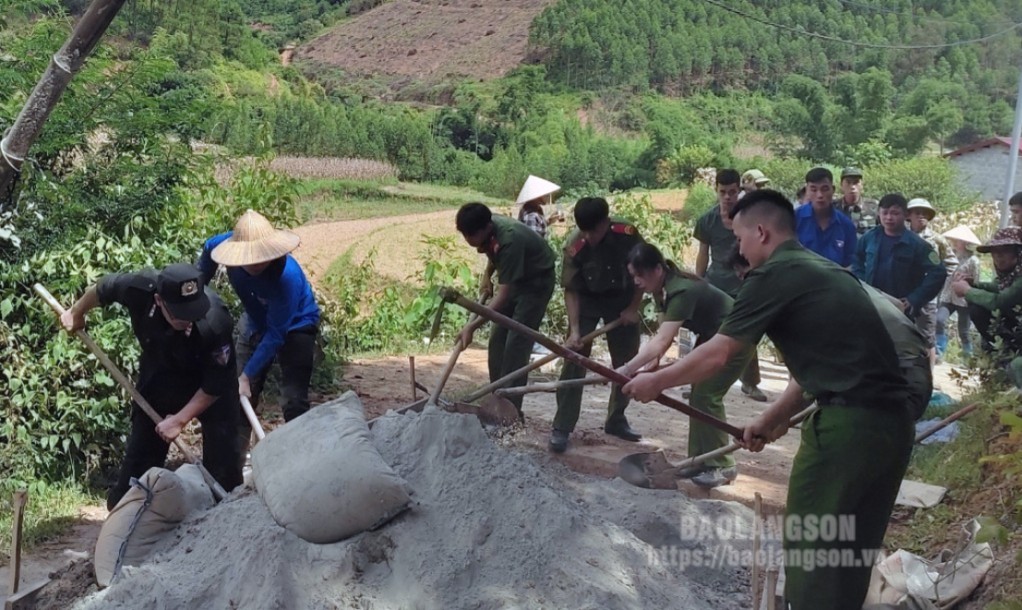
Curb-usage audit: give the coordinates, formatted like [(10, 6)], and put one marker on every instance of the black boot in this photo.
[(558, 441), (622, 430)]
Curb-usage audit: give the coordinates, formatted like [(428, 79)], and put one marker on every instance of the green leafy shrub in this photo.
[(680, 168), (699, 200)]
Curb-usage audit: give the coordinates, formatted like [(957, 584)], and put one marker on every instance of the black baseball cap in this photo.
[(183, 292)]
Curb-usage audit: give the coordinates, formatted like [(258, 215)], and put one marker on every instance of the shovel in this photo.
[(532, 366), (653, 471), (218, 490), (553, 386), (493, 412), (453, 296)]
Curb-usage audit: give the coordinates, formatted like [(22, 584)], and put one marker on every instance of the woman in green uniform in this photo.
[(687, 301)]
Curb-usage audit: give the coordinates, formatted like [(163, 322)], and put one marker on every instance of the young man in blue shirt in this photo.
[(281, 318), (820, 226)]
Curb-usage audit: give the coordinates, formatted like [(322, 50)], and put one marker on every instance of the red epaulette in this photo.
[(494, 245), (576, 247), (620, 227)]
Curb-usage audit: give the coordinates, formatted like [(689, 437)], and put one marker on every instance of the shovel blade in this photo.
[(647, 470), (492, 411)]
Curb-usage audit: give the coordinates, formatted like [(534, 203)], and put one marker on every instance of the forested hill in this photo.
[(685, 45)]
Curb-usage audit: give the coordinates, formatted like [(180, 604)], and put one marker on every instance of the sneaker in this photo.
[(558, 441), (754, 393), (715, 477)]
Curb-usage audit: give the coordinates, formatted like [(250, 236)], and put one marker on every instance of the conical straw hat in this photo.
[(254, 241), (534, 188), (963, 233)]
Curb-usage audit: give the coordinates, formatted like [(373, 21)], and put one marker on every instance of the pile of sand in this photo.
[(490, 529)]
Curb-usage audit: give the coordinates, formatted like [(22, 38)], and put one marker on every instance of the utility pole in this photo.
[(63, 66), (1016, 136)]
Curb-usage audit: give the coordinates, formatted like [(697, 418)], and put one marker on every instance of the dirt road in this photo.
[(397, 240)]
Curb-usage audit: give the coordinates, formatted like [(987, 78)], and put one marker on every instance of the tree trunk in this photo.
[(48, 91)]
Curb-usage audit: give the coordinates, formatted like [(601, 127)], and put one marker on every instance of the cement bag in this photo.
[(323, 479), (154, 506)]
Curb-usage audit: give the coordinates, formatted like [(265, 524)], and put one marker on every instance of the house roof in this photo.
[(987, 143)]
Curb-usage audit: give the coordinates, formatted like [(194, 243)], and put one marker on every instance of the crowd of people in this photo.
[(803, 274), (855, 293)]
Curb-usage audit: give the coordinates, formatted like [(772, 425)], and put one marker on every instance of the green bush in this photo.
[(700, 199), (369, 317), (932, 178)]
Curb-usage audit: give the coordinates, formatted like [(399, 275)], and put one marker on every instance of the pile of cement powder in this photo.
[(490, 529)]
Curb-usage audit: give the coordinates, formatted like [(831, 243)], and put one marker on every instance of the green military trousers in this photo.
[(920, 384), (508, 350), (708, 397), (847, 470), (623, 343)]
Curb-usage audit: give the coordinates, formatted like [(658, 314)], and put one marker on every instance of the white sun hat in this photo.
[(534, 188), (963, 233), (254, 241), (921, 204)]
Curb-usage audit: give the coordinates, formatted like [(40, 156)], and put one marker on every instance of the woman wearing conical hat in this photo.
[(535, 192), (281, 318), (962, 241)]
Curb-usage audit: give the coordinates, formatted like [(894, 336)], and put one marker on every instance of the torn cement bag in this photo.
[(323, 479), (154, 505), (946, 580)]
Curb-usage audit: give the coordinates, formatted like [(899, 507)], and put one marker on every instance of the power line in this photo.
[(803, 32)]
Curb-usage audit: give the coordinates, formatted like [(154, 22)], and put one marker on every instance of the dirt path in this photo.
[(397, 240), (383, 383), (49, 557)]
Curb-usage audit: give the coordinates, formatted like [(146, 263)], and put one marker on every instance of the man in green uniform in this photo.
[(855, 449), (864, 211), (525, 270), (597, 286), (716, 240)]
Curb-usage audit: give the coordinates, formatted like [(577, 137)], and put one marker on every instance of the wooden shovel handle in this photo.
[(453, 296), (532, 366), (474, 322)]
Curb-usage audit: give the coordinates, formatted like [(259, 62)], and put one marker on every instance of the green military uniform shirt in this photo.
[(792, 298), (521, 257), (989, 296), (710, 230), (700, 306), (601, 270), (864, 213)]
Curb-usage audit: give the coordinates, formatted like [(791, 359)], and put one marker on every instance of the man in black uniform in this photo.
[(187, 368)]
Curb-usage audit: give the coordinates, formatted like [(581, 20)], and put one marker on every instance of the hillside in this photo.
[(427, 40)]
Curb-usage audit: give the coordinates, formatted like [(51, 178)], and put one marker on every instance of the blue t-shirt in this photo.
[(835, 243), (277, 301)]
